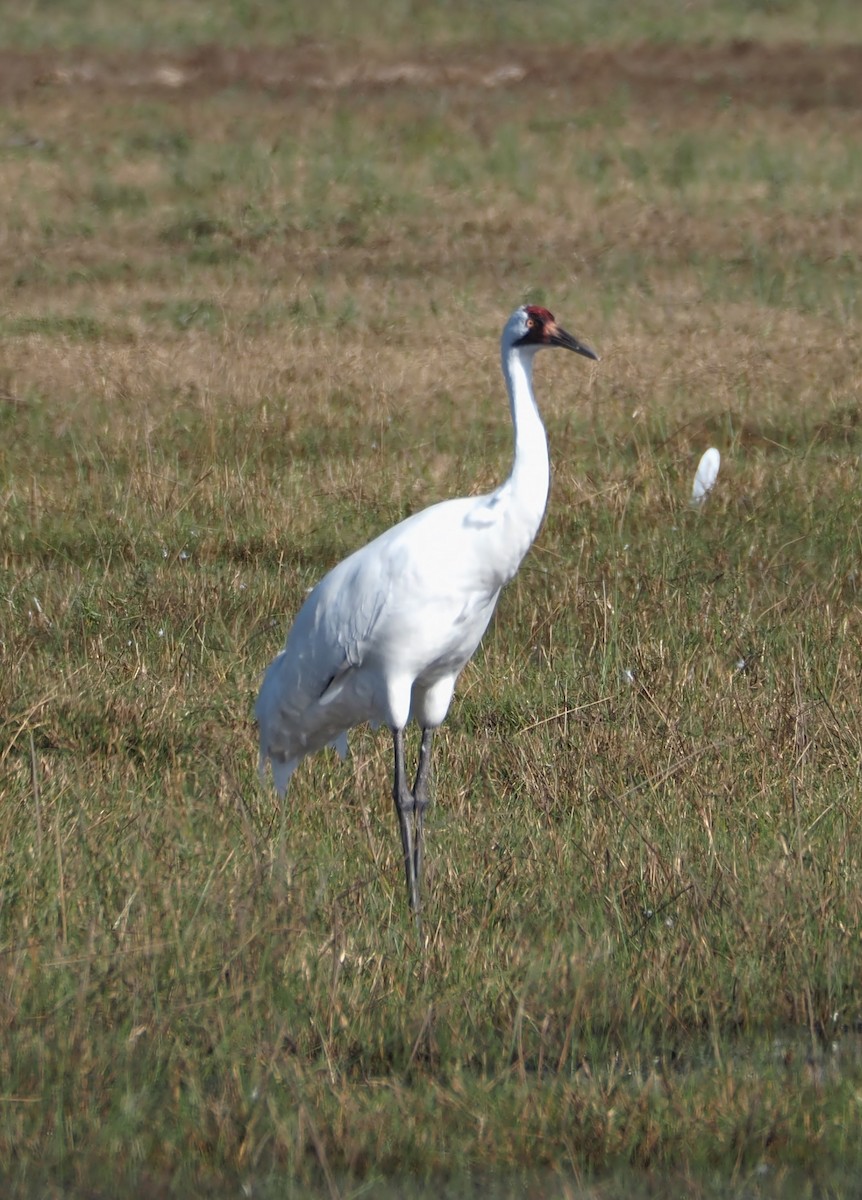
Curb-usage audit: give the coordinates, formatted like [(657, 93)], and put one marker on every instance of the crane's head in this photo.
[(533, 328)]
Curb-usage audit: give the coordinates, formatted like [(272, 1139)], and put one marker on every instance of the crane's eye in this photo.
[(530, 323)]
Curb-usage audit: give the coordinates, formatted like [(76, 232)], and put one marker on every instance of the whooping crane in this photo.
[(384, 636)]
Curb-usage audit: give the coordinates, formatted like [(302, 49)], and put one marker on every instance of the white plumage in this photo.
[(384, 636), (705, 476)]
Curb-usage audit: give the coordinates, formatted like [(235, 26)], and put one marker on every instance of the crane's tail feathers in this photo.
[(340, 744), (282, 769)]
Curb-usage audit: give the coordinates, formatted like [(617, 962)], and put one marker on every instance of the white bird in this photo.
[(705, 476), (384, 636)]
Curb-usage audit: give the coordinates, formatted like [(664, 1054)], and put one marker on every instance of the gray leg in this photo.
[(420, 802), (404, 807)]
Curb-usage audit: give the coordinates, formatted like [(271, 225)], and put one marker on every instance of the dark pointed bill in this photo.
[(558, 337)]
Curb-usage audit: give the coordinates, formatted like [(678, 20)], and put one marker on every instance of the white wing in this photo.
[(388, 630)]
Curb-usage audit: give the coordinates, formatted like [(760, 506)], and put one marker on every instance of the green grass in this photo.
[(243, 333), (398, 22)]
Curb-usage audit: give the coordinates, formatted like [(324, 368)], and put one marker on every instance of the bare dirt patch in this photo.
[(793, 76)]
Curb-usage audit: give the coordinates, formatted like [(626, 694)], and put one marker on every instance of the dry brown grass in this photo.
[(247, 327)]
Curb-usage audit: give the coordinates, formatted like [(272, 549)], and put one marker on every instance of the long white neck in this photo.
[(526, 489)]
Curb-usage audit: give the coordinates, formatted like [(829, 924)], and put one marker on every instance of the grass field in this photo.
[(253, 292)]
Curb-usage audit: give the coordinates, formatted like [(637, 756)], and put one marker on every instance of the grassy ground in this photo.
[(408, 23), (250, 319)]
